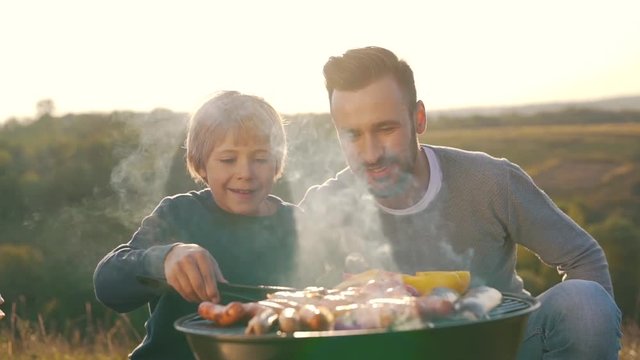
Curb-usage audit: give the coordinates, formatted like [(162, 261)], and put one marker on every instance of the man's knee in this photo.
[(583, 306)]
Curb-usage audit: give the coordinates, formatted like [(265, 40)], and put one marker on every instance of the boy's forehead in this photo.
[(244, 138)]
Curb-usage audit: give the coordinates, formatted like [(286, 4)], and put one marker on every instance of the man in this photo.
[(409, 207)]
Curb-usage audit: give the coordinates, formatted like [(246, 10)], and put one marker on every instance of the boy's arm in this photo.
[(116, 276)]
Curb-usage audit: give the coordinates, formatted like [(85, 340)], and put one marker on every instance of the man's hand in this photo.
[(193, 273)]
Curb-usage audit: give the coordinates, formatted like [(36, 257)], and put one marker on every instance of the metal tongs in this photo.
[(228, 291)]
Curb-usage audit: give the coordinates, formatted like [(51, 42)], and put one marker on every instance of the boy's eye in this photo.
[(227, 161)]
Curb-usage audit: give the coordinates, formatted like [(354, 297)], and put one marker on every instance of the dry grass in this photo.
[(84, 338), (630, 342)]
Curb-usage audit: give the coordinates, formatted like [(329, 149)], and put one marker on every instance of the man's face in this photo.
[(377, 133)]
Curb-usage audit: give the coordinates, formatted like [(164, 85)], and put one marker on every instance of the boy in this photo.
[(236, 145)]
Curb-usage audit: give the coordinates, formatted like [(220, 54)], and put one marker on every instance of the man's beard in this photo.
[(398, 187), (397, 184)]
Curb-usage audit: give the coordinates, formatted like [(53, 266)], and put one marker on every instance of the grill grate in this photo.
[(509, 305)]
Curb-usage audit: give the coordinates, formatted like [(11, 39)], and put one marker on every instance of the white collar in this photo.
[(435, 183)]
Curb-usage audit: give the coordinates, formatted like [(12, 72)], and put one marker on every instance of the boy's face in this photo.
[(240, 173)]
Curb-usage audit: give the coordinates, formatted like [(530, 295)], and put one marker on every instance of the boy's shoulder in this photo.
[(195, 197), (284, 205)]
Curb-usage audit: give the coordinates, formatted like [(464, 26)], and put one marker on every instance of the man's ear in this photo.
[(420, 117)]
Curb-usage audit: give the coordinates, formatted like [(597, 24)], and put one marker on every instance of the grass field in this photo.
[(595, 164)]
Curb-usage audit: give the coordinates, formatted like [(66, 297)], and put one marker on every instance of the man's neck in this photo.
[(419, 183)]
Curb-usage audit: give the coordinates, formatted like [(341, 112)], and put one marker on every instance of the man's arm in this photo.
[(538, 224)]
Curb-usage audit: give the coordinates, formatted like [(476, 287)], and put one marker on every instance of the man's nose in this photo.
[(371, 150)]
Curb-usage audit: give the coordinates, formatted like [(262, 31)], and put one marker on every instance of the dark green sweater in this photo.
[(249, 250)]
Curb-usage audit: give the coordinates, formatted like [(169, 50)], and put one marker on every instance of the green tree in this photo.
[(620, 239)]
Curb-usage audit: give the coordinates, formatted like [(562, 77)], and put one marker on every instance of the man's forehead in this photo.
[(380, 101), (379, 91)]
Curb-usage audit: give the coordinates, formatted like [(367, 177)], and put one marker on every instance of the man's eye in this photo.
[(227, 161), (350, 135)]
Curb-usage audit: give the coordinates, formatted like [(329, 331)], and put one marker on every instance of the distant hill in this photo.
[(630, 103)]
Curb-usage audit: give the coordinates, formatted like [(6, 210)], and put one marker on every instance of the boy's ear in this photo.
[(203, 174)]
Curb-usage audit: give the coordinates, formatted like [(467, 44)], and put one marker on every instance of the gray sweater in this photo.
[(485, 206)]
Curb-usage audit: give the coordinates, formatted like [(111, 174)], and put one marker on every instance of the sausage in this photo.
[(226, 315), (208, 310), (316, 318), (262, 322), (438, 304), (433, 307), (477, 302), (233, 313), (289, 320), (273, 305)]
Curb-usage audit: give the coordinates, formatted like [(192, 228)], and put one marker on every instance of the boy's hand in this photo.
[(193, 273)]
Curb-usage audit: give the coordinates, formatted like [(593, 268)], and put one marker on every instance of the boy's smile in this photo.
[(240, 173)]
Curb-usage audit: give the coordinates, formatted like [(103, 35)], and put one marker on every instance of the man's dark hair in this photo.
[(358, 68)]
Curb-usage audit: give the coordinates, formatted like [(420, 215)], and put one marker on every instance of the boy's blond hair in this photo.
[(231, 113)]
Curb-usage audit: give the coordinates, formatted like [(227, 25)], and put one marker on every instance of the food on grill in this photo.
[(289, 320), (425, 281), (316, 317), (262, 322), (374, 299), (477, 302), (225, 315)]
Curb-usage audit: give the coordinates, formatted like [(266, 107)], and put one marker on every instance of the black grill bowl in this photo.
[(495, 338)]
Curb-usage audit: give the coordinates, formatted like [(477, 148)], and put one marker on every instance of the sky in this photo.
[(101, 56)]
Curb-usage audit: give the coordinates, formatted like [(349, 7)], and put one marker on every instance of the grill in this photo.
[(508, 305), (497, 337)]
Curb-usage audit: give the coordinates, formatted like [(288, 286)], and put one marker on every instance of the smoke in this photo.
[(314, 153), (140, 178)]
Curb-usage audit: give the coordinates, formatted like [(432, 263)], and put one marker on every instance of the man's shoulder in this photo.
[(469, 161), (446, 153), (341, 187), (463, 170)]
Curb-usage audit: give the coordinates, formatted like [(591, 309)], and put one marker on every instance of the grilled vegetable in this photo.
[(425, 281)]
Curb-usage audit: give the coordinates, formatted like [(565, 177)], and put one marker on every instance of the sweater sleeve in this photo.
[(116, 275), (535, 222)]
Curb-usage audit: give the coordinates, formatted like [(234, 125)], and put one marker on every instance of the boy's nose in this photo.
[(244, 170)]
